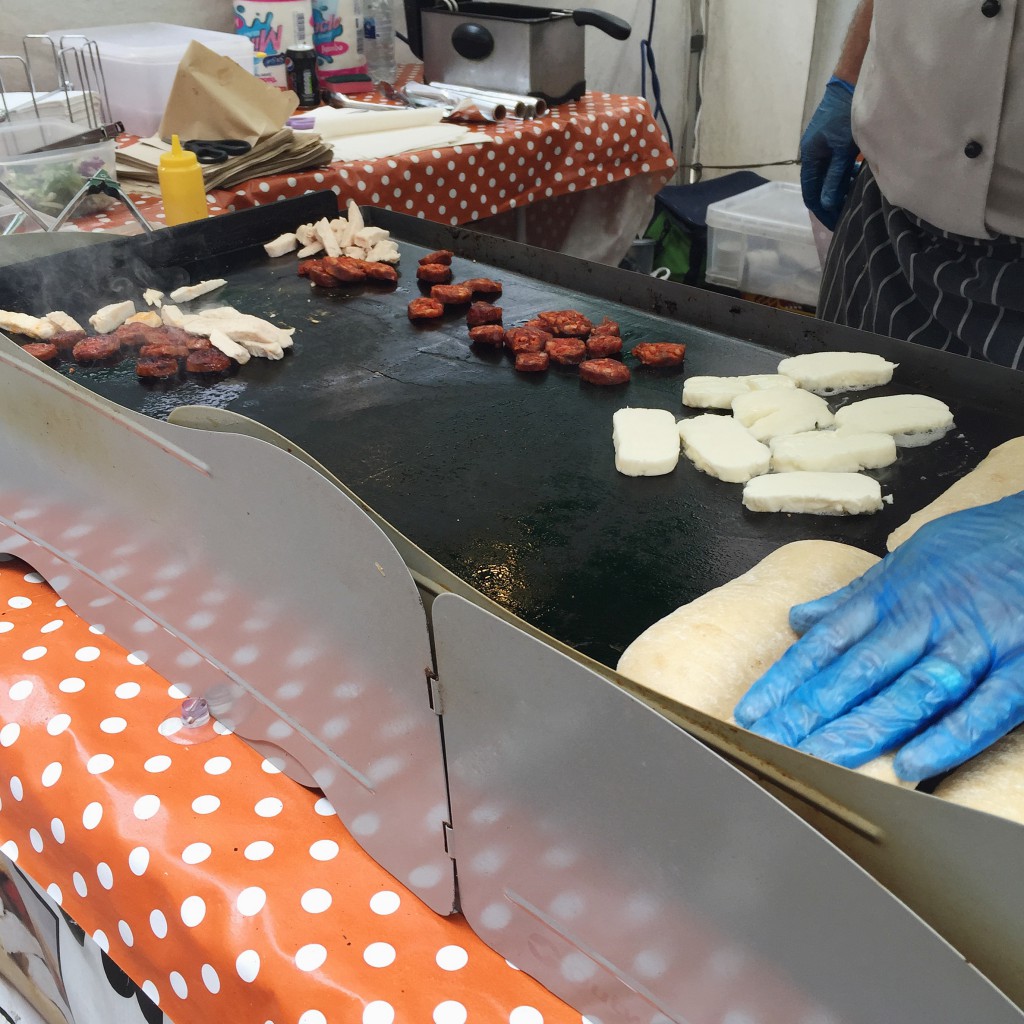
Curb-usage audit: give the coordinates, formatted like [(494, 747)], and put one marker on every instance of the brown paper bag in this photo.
[(214, 98)]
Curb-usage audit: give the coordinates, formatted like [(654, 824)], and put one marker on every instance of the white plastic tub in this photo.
[(140, 61), (761, 242)]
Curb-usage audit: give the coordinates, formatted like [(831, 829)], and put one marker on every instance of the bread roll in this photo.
[(708, 653), (999, 475), (993, 781)]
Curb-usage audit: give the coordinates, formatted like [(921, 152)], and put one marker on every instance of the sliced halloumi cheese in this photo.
[(912, 420), (718, 392), (831, 451), (326, 236), (149, 318), (343, 231), (288, 242), (190, 292), (22, 323), (172, 316), (767, 414), (820, 494), (827, 373), (106, 319), (310, 250), (153, 297), (385, 251), (254, 328), (306, 234), (62, 321), (370, 236), (354, 216), (220, 340), (723, 448), (646, 442)]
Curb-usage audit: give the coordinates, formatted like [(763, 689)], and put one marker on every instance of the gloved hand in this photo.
[(928, 643), (827, 154)]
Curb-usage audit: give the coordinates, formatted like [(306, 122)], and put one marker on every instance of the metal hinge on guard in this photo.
[(434, 691)]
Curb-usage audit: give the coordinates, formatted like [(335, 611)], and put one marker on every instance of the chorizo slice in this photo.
[(99, 349), (443, 256), (526, 339), (532, 362), (207, 360), (604, 372), (488, 334), (451, 294), (156, 367), (566, 323), (382, 272), (424, 308), (483, 286), (567, 351), (483, 313), (67, 340), (44, 350), (434, 273), (345, 268), (606, 326), (318, 275), (600, 346), (659, 353), (170, 349)]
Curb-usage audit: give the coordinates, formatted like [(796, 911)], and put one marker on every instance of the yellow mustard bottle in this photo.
[(181, 185)]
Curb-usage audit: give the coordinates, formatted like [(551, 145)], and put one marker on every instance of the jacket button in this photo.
[(990, 8), (972, 149)]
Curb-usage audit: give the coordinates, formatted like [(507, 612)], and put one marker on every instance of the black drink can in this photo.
[(302, 79)]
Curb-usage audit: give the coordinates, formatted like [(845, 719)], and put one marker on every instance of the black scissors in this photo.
[(216, 151)]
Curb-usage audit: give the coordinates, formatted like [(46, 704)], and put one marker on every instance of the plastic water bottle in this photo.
[(379, 41)]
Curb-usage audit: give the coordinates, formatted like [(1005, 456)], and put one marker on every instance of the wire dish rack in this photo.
[(56, 132)]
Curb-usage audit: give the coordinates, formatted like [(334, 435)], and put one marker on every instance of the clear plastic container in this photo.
[(140, 62), (761, 241), (49, 181)]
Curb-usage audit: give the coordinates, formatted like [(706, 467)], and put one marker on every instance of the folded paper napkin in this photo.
[(214, 98)]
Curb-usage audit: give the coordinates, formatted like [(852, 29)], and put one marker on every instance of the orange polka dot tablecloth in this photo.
[(224, 889), (600, 144)]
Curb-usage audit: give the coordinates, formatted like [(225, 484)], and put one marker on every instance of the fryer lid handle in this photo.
[(608, 23)]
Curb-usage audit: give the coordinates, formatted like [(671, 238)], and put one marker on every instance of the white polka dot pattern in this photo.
[(208, 890)]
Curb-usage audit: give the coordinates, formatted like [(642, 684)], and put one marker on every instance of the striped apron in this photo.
[(891, 273)]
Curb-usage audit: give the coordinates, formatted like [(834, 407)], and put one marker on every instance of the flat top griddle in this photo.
[(509, 479)]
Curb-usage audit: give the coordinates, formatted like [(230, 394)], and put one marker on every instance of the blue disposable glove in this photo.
[(827, 154), (926, 649)]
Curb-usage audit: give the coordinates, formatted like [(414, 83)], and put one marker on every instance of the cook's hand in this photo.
[(827, 154), (928, 643)]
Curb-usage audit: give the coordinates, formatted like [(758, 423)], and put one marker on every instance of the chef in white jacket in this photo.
[(929, 238)]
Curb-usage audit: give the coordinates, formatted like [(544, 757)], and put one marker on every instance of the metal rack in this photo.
[(74, 63)]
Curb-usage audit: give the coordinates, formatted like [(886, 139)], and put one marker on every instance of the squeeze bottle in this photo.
[(181, 185)]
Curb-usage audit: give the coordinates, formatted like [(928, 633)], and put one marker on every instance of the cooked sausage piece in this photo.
[(567, 351), (606, 326), (44, 350), (67, 340), (160, 349), (532, 362), (434, 273), (526, 339), (440, 256), (306, 265), (483, 286), (537, 324), (425, 309), (136, 335), (483, 313), (156, 367), (318, 275), (600, 346), (382, 272), (207, 360), (659, 353), (604, 371), (488, 334), (179, 336), (97, 349), (566, 323), (344, 268), (451, 294)]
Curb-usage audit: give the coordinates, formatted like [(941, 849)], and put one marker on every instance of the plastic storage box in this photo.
[(761, 241), (49, 181), (140, 61)]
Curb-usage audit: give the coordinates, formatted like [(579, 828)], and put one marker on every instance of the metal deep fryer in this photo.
[(531, 50), (645, 866)]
